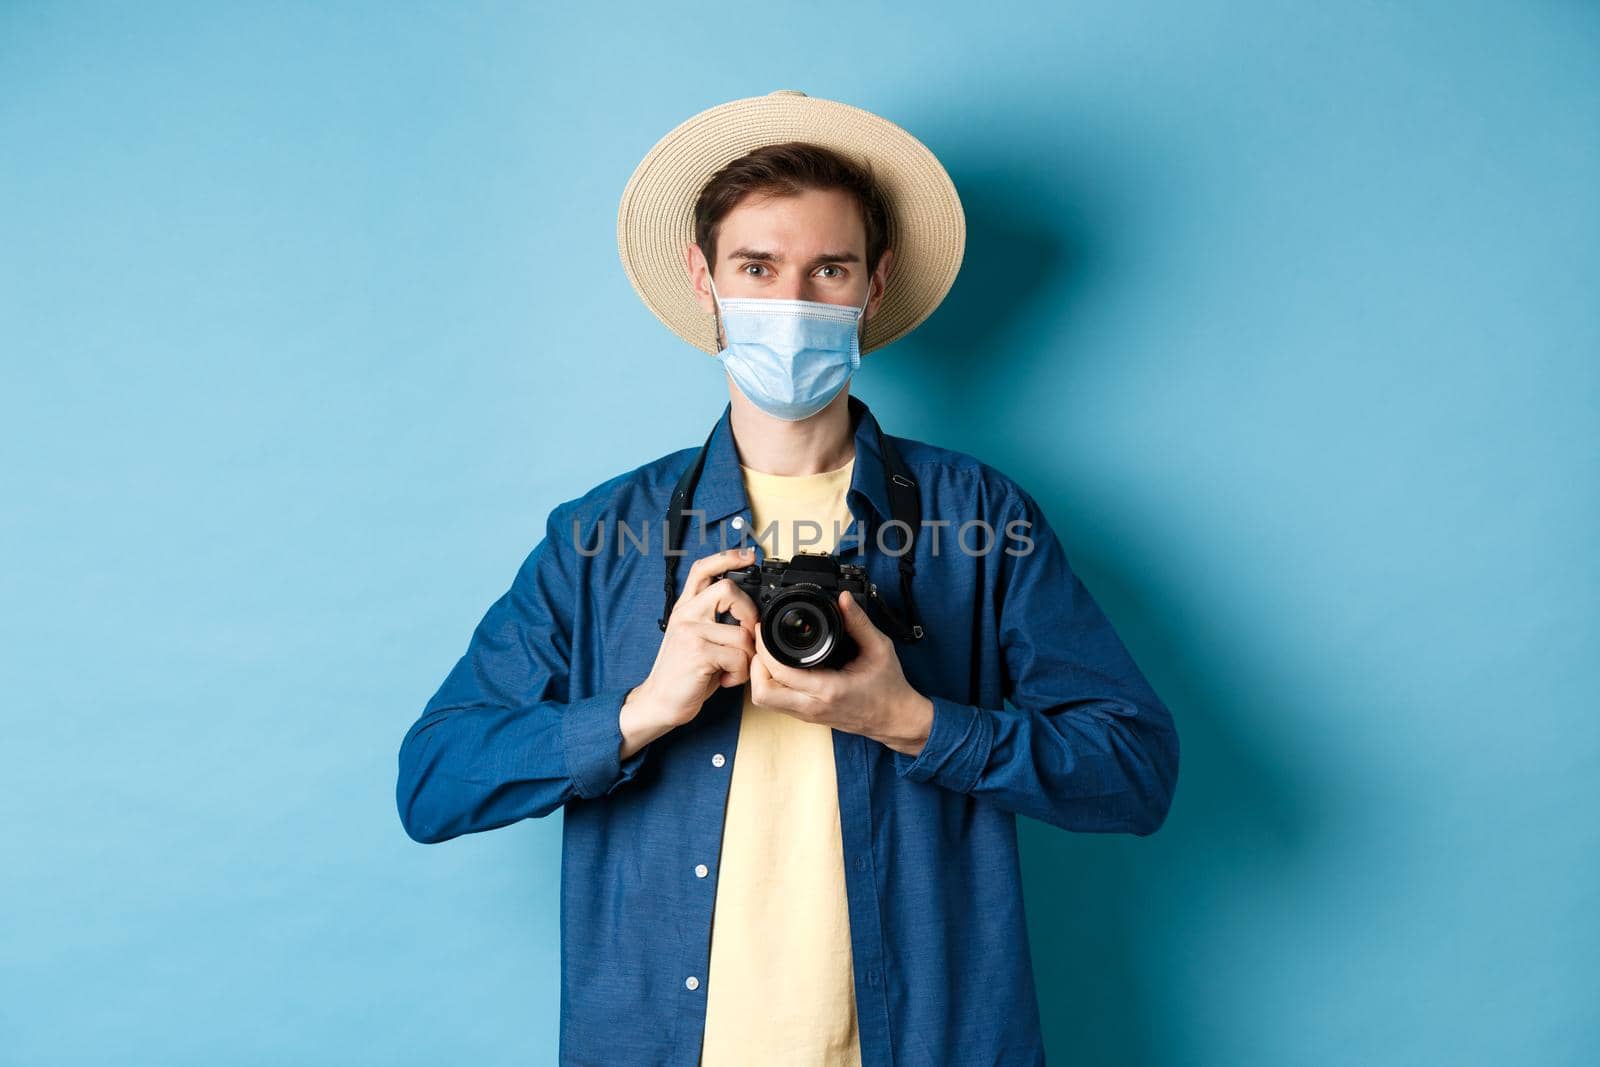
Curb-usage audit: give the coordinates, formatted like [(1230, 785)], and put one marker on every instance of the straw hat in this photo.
[(655, 221)]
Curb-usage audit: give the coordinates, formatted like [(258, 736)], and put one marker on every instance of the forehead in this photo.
[(798, 225)]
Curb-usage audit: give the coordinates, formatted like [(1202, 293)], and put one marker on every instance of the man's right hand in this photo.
[(698, 654)]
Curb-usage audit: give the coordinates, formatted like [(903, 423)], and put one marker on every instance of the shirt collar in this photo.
[(721, 491)]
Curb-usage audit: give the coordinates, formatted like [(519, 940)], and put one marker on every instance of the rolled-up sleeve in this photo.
[(503, 739), (1085, 744)]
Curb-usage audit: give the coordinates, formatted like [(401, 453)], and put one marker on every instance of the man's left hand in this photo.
[(868, 696)]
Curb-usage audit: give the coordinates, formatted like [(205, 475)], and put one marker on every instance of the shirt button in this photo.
[(701, 870), (718, 760), (692, 982), (738, 522)]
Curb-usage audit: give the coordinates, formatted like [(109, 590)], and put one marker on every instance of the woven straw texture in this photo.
[(655, 221)]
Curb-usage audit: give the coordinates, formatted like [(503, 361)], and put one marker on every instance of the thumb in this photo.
[(856, 621)]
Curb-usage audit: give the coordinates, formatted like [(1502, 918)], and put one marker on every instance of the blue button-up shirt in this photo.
[(1039, 710)]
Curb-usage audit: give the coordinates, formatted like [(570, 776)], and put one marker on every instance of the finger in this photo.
[(796, 678), (760, 680), (728, 661), (772, 694), (723, 595), (705, 570), (858, 624), (727, 595), (723, 634)]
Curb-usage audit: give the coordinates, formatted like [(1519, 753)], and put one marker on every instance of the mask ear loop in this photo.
[(861, 329), (717, 315)]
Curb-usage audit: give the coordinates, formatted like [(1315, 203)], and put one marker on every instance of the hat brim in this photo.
[(655, 220)]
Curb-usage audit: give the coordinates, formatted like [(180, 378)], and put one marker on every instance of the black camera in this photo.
[(797, 602)]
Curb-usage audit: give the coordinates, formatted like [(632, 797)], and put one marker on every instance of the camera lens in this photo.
[(799, 627)]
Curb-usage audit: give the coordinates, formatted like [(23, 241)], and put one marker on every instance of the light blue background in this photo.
[(1287, 313)]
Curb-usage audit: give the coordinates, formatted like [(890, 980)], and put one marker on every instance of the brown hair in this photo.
[(784, 170)]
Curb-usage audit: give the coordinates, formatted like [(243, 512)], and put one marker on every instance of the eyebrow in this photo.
[(772, 257)]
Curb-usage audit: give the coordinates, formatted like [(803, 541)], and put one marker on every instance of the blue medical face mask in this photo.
[(789, 357)]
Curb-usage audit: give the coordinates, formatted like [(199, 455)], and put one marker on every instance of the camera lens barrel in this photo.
[(802, 628)]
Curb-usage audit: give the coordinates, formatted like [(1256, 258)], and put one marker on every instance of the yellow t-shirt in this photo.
[(780, 990)]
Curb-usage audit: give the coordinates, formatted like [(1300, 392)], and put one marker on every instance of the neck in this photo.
[(822, 442)]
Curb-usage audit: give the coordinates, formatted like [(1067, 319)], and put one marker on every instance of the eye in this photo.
[(757, 266), (833, 267)]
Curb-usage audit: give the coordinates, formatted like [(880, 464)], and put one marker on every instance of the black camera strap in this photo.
[(905, 506), (677, 519)]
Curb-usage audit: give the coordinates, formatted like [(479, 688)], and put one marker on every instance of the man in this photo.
[(766, 861)]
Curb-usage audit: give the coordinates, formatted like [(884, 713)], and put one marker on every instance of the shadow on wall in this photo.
[(1114, 919), (1012, 260), (1110, 916)]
